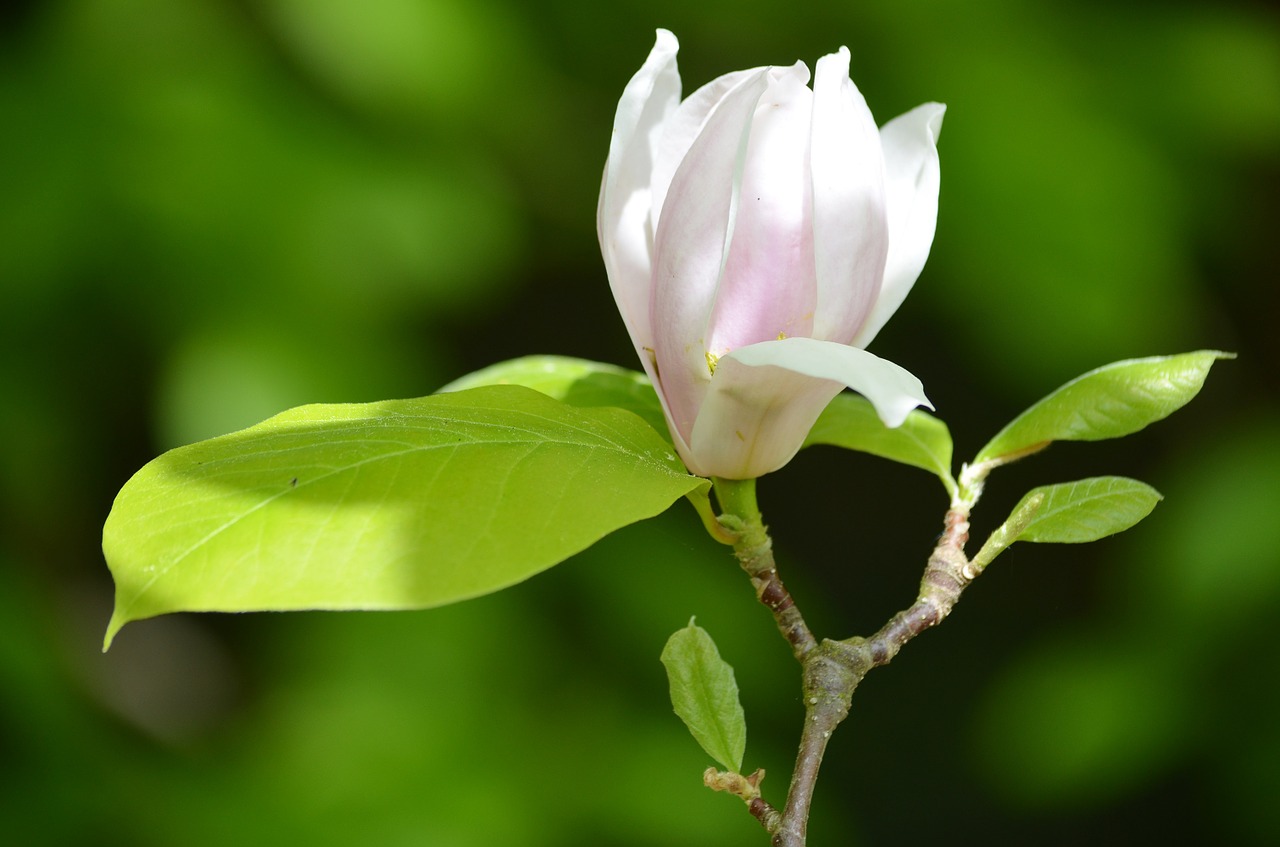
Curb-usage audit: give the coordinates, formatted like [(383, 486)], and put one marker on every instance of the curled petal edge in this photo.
[(764, 399), (891, 388)]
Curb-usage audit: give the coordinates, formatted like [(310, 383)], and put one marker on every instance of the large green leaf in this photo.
[(923, 441), (705, 695), (1108, 402), (403, 504), (578, 382)]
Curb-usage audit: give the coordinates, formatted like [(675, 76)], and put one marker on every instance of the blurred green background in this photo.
[(211, 211)]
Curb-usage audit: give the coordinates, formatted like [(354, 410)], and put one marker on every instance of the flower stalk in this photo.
[(753, 547)]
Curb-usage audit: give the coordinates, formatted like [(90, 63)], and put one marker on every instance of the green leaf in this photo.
[(705, 695), (403, 504), (1111, 401), (578, 382), (1076, 512), (851, 422), (1071, 513)]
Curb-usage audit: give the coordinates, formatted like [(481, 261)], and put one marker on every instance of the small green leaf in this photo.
[(705, 695), (404, 504), (1076, 512), (578, 382), (851, 422), (1111, 401)]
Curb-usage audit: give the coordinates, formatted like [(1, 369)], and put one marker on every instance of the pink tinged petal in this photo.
[(765, 398), (622, 218), (684, 125), (912, 177), (690, 246), (768, 286), (850, 228)]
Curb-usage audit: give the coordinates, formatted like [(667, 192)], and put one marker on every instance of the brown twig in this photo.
[(754, 550), (834, 669)]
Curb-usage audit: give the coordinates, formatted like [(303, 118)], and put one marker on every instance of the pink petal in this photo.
[(690, 247), (767, 289), (680, 130)]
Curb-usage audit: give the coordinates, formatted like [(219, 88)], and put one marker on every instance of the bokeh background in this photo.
[(211, 211)]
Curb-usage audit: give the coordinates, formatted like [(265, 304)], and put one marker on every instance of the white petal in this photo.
[(764, 399), (912, 173), (754, 419), (891, 388), (622, 218), (850, 228)]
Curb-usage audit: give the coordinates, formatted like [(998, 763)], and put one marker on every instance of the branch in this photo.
[(832, 670), (751, 544), (831, 673), (945, 577)]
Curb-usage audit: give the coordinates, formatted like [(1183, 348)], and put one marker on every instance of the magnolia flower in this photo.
[(757, 236)]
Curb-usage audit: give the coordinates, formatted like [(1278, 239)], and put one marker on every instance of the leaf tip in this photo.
[(113, 627)]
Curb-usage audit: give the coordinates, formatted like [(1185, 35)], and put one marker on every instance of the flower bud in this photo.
[(757, 235)]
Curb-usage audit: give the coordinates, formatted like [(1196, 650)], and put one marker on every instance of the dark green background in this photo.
[(212, 211)]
